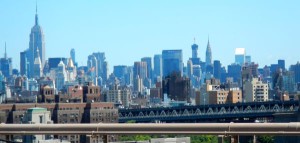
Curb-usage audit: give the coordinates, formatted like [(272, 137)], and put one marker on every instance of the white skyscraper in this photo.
[(61, 76), (240, 56)]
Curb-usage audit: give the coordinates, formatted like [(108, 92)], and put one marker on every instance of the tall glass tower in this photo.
[(172, 62), (72, 54), (157, 66), (148, 60), (240, 56)]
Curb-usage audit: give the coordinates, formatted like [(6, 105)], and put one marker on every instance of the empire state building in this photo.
[(36, 43)]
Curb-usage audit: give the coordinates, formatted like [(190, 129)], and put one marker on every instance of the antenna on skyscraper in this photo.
[(208, 38), (35, 6), (194, 40), (36, 15), (5, 54)]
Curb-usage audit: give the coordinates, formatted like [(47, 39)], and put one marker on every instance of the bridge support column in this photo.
[(9, 137), (234, 139), (254, 138), (105, 138), (220, 138)]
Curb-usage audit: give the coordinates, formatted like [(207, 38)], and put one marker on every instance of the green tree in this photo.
[(134, 137), (204, 139), (265, 139)]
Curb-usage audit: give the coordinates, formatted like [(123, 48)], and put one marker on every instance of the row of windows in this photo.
[(261, 86)]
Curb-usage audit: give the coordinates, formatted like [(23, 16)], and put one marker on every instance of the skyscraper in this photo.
[(37, 66), (189, 68), (223, 75), (23, 64), (72, 54), (172, 62), (281, 64), (296, 69), (120, 71), (217, 69), (6, 65), (240, 56), (157, 66), (53, 62), (195, 59), (36, 42), (273, 68), (289, 81), (176, 87), (61, 76), (105, 71), (248, 59), (140, 70), (234, 71), (208, 58), (149, 66), (102, 65), (194, 50), (92, 65)]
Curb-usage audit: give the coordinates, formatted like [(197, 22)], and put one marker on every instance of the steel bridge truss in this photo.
[(241, 110)]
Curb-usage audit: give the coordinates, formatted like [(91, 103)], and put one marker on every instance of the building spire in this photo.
[(208, 38), (36, 15), (35, 7), (208, 54), (194, 40), (208, 44), (5, 53)]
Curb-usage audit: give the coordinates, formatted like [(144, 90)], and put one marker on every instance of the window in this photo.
[(41, 119)]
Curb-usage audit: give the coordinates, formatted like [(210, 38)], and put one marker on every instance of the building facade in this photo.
[(256, 91), (36, 43), (36, 115), (157, 66), (172, 62), (240, 54)]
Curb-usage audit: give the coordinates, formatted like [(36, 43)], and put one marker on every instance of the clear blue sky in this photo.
[(129, 30)]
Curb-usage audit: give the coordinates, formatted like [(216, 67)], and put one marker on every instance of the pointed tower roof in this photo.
[(208, 58), (37, 59), (208, 45), (61, 64), (70, 63)]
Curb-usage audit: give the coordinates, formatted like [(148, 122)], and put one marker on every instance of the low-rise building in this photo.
[(64, 113), (36, 115), (91, 93)]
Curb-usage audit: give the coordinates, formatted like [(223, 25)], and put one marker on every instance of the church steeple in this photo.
[(36, 16)]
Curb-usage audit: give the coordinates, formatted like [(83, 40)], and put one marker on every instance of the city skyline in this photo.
[(112, 27)]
